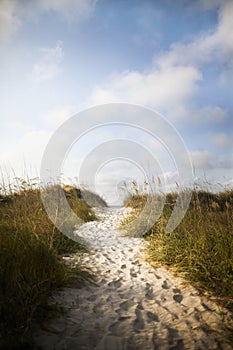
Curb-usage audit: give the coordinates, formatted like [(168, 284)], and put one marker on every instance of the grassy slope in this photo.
[(201, 246), (30, 267)]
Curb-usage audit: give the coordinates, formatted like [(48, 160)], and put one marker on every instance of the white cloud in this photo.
[(9, 21), (215, 45), (222, 140), (13, 13), (69, 9), (171, 84), (109, 181), (225, 161), (28, 151), (205, 160), (201, 159), (209, 4), (205, 116), (165, 88), (57, 116), (49, 62)]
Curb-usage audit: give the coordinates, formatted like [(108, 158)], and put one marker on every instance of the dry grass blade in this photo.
[(30, 263)]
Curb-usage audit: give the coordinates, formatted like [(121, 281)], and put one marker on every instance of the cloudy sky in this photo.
[(174, 57)]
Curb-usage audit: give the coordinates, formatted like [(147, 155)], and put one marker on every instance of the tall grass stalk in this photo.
[(31, 266), (201, 246)]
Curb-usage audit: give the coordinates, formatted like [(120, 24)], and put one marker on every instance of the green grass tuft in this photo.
[(201, 246), (31, 266)]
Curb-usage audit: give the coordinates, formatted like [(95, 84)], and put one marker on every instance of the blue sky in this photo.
[(58, 58)]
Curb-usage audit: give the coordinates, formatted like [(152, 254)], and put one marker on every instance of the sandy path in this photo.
[(133, 305)]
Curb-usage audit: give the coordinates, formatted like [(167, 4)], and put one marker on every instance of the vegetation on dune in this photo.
[(31, 266), (91, 198), (31, 246), (201, 246)]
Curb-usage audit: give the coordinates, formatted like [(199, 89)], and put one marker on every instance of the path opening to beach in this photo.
[(132, 306)]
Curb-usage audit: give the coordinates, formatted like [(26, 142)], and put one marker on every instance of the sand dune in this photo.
[(133, 306)]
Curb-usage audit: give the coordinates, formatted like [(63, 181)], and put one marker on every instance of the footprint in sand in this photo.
[(133, 273), (177, 295), (115, 284), (151, 317), (138, 323), (125, 305), (125, 310), (165, 285)]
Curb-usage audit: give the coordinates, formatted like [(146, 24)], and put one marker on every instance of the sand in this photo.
[(133, 306)]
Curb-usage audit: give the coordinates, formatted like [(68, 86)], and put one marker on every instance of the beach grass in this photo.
[(201, 247), (31, 264)]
